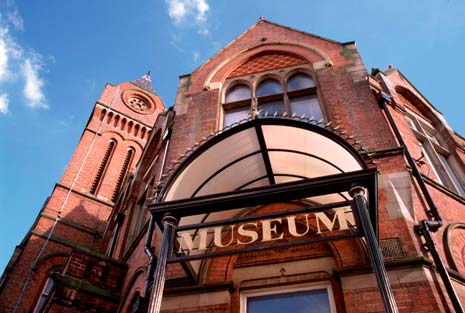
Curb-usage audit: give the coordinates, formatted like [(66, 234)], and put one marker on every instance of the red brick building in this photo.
[(285, 176)]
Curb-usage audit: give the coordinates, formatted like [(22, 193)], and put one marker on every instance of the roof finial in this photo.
[(261, 18), (144, 82)]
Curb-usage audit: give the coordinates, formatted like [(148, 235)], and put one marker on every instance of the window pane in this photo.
[(315, 301), (300, 81), (235, 115), (49, 284), (431, 136), (411, 123), (269, 87), (308, 105), (429, 158), (237, 93), (271, 107), (455, 181)]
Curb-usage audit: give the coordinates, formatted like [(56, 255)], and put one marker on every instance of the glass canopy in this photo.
[(259, 153)]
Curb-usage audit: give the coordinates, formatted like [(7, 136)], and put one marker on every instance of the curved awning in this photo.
[(260, 161), (258, 153)]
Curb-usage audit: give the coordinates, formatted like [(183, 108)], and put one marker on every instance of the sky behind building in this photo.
[(56, 56)]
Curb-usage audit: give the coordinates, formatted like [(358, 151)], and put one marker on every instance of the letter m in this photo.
[(342, 215)]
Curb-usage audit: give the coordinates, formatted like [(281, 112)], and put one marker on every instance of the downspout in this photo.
[(425, 227), (148, 249)]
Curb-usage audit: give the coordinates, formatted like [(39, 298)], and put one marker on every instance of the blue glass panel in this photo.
[(314, 301), (300, 81), (308, 105), (235, 115), (271, 107), (268, 87), (237, 93)]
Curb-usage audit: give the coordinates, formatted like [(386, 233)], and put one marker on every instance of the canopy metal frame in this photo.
[(357, 183)]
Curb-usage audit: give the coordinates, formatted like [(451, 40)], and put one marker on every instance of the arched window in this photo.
[(440, 164), (122, 174), (237, 93), (102, 114), (103, 167), (268, 87), (237, 104), (299, 81), (270, 97), (301, 91), (135, 306), (298, 96)]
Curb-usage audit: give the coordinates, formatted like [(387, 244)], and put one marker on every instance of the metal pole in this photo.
[(169, 222), (423, 229), (360, 209)]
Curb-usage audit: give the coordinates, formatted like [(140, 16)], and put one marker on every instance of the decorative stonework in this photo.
[(268, 61), (138, 101)]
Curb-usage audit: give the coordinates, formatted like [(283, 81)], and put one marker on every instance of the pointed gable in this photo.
[(263, 38)]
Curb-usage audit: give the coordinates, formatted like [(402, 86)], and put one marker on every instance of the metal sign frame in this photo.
[(349, 233), (168, 214)]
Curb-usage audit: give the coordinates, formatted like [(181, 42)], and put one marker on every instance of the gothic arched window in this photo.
[(273, 95), (237, 104), (303, 100)]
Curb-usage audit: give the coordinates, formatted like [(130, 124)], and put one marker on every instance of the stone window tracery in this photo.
[(270, 95)]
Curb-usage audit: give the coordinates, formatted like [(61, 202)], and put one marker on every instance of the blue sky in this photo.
[(56, 56)]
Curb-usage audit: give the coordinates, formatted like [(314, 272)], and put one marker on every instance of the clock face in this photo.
[(138, 101)]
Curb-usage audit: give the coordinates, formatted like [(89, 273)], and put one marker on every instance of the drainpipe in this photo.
[(425, 227), (148, 249)]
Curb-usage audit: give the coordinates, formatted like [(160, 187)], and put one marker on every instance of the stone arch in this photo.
[(235, 83), (454, 246), (51, 260), (299, 70), (270, 77), (109, 117), (424, 108), (428, 111), (312, 55), (46, 265), (135, 285), (117, 117), (103, 113)]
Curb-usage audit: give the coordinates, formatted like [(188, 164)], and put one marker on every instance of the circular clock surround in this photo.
[(137, 101)]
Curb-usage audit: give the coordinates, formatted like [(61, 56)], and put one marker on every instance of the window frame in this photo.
[(431, 144), (47, 291), (253, 81), (287, 289)]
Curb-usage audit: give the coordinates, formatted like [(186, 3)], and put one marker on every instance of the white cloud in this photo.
[(15, 19), (4, 103), (16, 63), (202, 10), (189, 11), (3, 54), (33, 88), (195, 56), (177, 10)]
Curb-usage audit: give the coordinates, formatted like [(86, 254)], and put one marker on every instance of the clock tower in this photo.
[(74, 218)]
